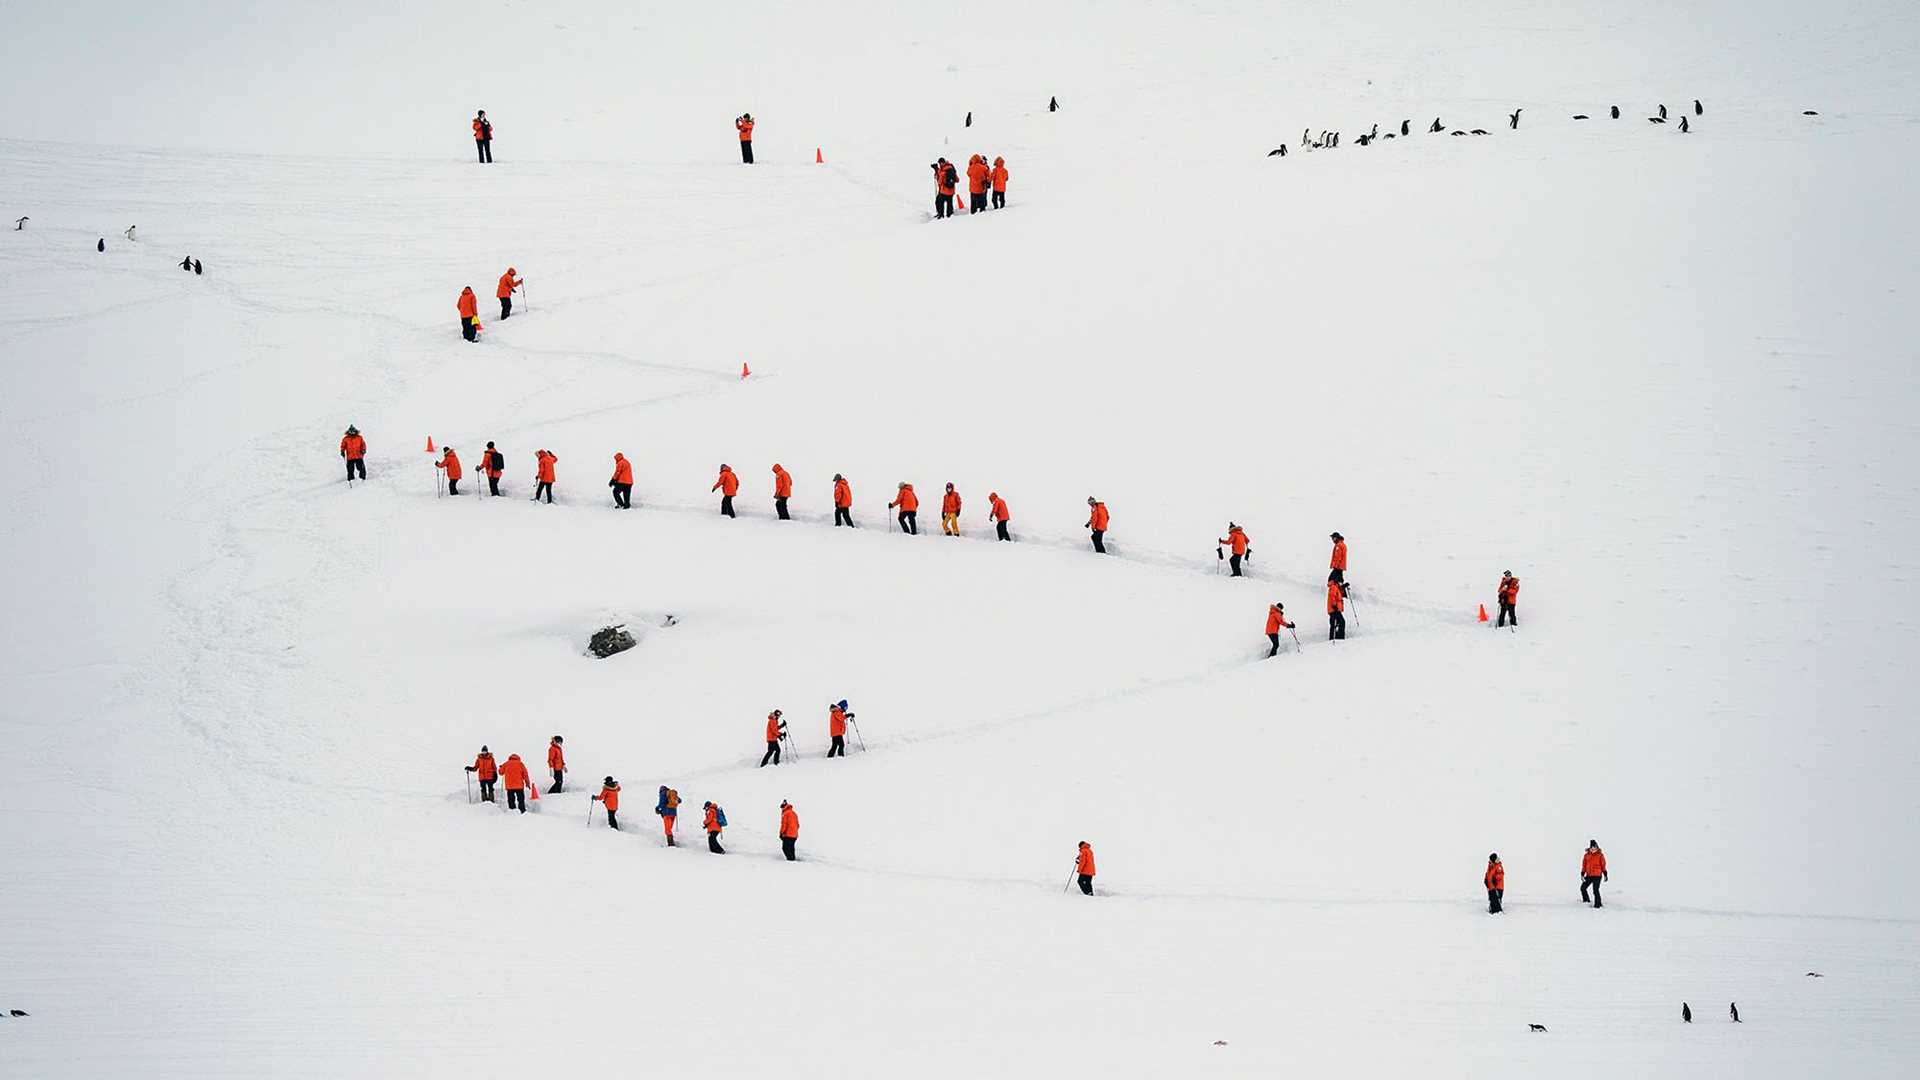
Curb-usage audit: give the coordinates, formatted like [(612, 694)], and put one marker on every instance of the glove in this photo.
[(470, 768)]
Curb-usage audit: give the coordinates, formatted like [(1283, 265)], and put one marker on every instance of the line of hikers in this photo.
[(1593, 871), (838, 717), (982, 181), (512, 774)]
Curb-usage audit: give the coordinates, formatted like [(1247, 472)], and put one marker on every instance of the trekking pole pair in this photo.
[(591, 803), (1296, 638), (1346, 590), (856, 732), (469, 776)]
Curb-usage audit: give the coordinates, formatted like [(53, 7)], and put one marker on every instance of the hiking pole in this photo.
[(1070, 876), (1354, 604), (469, 789), (1296, 638), (526, 297), (591, 803), (856, 732)]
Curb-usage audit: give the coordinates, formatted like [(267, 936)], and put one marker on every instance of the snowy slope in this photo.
[(1662, 377)]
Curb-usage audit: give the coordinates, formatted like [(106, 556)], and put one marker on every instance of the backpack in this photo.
[(673, 799), (499, 461), (719, 816), (953, 176)]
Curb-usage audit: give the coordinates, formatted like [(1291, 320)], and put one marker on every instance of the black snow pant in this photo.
[(713, 844), (786, 847), (623, 496), (1086, 884), (772, 754), (484, 147), (466, 329), (746, 151), (356, 465), (453, 486), (517, 799), (910, 522), (1493, 900), (1233, 562), (726, 505), (978, 205), (1000, 530), (842, 516), (493, 484), (999, 200), (780, 508), (1594, 883), (506, 306), (613, 821), (543, 488), (839, 747), (943, 206), (1507, 614), (1275, 638), (486, 790), (559, 779), (1336, 626), (1099, 541)]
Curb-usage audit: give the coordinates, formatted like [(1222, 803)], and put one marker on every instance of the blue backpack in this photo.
[(719, 815)]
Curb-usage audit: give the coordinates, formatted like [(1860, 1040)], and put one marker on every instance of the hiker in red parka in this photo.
[(504, 291), (622, 482), (1337, 564), (492, 463), (543, 461), (1276, 618), (556, 764), (1083, 867), (1236, 538), (997, 511), (837, 716), (945, 179), (776, 731), (354, 449), (486, 771), (1509, 596), (450, 461), (1593, 871), (469, 306), (999, 176), (1336, 612), (782, 491), (483, 137), (977, 185), (950, 512), (514, 775), (728, 486), (744, 125), (610, 795)]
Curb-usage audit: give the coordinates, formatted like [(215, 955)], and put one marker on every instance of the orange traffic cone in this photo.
[(1483, 613), (429, 444), (744, 370), (817, 159)]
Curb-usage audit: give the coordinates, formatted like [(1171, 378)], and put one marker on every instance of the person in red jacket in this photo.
[(999, 176), (504, 291), (543, 466), (782, 491), (1083, 867), (842, 502), (1336, 612), (1097, 521), (1276, 618), (1337, 565), (354, 449), (1236, 538), (776, 731), (1593, 871), (837, 716), (744, 125), (945, 179), (469, 306), (514, 775), (1496, 883), (622, 482), (909, 505), (711, 823), (557, 765), (483, 137), (610, 796), (950, 512), (484, 768), (492, 463), (450, 461), (789, 830), (997, 511), (728, 486), (977, 185), (1509, 595)]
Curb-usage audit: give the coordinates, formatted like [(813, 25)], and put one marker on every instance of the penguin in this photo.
[(1403, 127), (1306, 136), (1459, 133), (1513, 120), (196, 266), (102, 245), (187, 263), (130, 229), (1282, 152), (1656, 119), (1815, 975), (1733, 1007), (969, 117), (1683, 125), (1686, 1013), (1580, 116), (1616, 112), (1388, 135), (1697, 110), (20, 223), (1053, 104), (1663, 112), (1478, 131), (1374, 134), (1436, 128), (1808, 112), (1336, 139), (1536, 1027), (16, 1012)]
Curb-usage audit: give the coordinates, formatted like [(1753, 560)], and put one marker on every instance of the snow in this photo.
[(1664, 378)]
